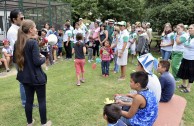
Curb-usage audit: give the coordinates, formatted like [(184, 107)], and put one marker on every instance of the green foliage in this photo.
[(175, 13)]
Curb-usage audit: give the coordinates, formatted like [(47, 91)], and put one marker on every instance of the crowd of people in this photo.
[(110, 41)]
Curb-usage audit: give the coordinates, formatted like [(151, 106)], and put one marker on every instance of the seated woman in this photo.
[(7, 51)]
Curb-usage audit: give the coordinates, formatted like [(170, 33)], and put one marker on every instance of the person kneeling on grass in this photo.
[(2, 60), (112, 114), (167, 81), (144, 107), (80, 50)]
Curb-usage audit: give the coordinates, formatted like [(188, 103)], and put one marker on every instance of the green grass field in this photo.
[(68, 104)]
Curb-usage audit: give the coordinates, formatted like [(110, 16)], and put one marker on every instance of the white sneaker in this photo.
[(33, 121), (46, 68), (49, 123), (89, 61), (58, 57)]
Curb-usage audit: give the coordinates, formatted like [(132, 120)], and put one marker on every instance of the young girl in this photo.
[(89, 45), (144, 107), (7, 51), (105, 53), (60, 45), (80, 50)]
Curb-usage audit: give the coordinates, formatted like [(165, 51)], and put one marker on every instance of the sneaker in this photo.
[(78, 83), (49, 123), (82, 81), (107, 75), (8, 70), (115, 72), (58, 57), (46, 68), (33, 121), (121, 79), (89, 61), (104, 75)]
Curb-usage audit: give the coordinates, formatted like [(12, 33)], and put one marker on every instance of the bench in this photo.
[(170, 114)]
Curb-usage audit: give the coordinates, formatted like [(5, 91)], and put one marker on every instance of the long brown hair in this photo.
[(21, 42)]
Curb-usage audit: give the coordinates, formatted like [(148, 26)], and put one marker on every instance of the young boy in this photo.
[(105, 53), (89, 46), (144, 107), (7, 51), (112, 114), (167, 81)]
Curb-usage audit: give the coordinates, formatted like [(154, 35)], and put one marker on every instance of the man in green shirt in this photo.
[(110, 29)]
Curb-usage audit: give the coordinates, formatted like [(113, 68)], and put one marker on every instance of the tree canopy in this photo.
[(158, 12)]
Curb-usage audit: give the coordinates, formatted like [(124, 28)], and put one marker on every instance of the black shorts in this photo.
[(45, 54)]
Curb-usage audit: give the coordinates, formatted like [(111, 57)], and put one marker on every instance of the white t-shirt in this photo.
[(179, 47), (8, 50), (132, 36), (167, 40), (75, 32), (67, 34), (154, 85), (12, 34), (123, 37), (188, 52)]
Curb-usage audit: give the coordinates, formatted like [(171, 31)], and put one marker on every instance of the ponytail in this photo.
[(21, 42)]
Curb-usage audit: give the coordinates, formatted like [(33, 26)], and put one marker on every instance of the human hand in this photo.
[(120, 102), (120, 55)]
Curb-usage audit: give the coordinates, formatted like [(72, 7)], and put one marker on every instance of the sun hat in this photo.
[(111, 21), (122, 23), (148, 62), (80, 19)]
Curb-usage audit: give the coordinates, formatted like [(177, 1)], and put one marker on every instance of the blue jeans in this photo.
[(116, 66), (165, 54), (105, 67), (22, 94)]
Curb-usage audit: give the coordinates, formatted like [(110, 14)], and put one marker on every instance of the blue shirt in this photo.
[(60, 41), (146, 116), (167, 82), (118, 123)]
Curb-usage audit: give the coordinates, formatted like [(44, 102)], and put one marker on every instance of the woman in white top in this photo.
[(177, 50), (186, 70), (167, 42)]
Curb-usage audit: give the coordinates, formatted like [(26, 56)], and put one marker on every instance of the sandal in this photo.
[(181, 86), (185, 90)]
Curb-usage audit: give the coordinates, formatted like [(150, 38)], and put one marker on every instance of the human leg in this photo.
[(29, 90), (41, 96), (167, 55), (22, 94), (103, 67), (78, 70), (175, 64)]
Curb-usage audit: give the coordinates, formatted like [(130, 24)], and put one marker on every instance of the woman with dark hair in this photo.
[(167, 41), (103, 35), (96, 41), (67, 41), (186, 70), (30, 73)]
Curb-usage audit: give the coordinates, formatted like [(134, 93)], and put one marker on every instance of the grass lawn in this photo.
[(69, 105)]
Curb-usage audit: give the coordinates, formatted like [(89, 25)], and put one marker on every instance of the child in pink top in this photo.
[(105, 53)]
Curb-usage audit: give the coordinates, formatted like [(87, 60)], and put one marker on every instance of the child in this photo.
[(89, 45), (114, 47), (80, 50), (105, 53), (7, 51), (144, 107), (167, 81), (132, 42), (44, 49), (2, 60), (146, 63), (60, 45), (112, 114)]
